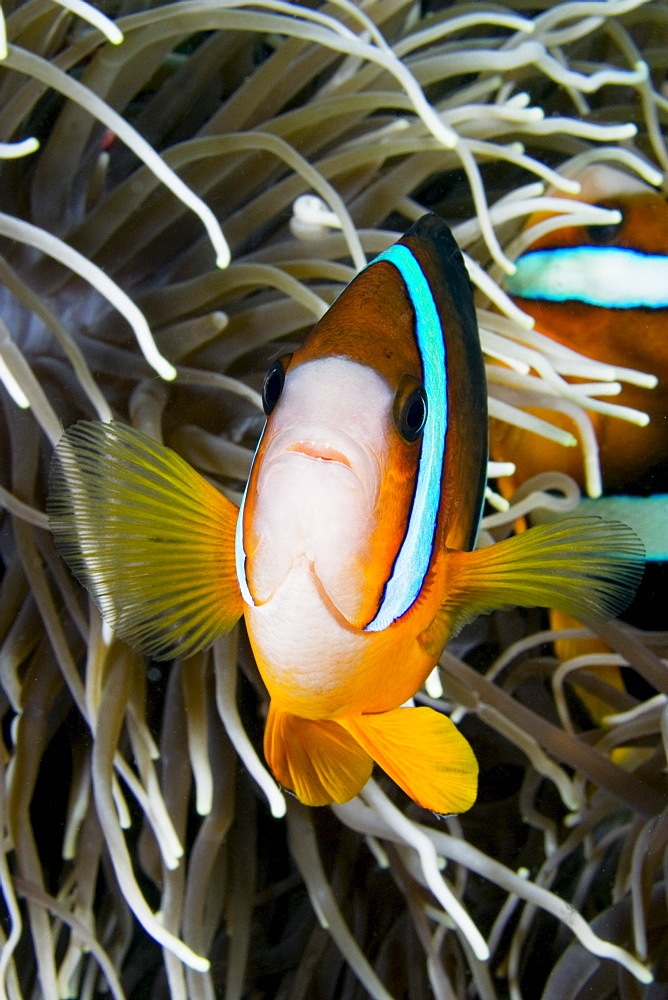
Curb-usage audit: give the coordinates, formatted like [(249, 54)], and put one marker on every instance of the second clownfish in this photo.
[(602, 290), (350, 558)]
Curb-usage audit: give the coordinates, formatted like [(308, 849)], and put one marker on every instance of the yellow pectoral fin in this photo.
[(148, 537), (424, 753), (582, 566), (318, 761)]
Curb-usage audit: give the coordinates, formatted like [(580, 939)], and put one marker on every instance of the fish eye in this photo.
[(272, 387), (412, 416), (606, 234)]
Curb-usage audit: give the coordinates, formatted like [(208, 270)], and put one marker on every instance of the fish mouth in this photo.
[(321, 451), (330, 446)]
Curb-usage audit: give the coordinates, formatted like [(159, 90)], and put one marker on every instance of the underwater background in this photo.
[(184, 189)]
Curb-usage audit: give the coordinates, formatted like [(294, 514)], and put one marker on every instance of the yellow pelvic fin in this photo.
[(148, 537), (424, 753), (582, 566), (316, 760)]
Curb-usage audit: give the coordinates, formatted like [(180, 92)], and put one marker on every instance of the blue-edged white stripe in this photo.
[(412, 562), (239, 549), (602, 276)]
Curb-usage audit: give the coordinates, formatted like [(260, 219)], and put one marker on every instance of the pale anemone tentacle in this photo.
[(323, 901), (56, 248), (12, 939), (95, 17), (577, 663), (24, 388), (194, 695), (22, 291), (12, 386), (373, 795), (26, 62), (510, 414), (13, 150), (368, 819), (225, 699), (33, 893), (107, 728)]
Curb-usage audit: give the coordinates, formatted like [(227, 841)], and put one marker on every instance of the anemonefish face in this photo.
[(348, 481), (322, 474), (335, 475)]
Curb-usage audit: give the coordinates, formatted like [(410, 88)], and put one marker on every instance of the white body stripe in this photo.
[(412, 562), (602, 276)]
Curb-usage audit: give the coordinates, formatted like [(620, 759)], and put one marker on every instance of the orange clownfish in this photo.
[(602, 290), (350, 557)]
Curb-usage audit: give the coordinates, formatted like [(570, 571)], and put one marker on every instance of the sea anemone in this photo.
[(145, 852)]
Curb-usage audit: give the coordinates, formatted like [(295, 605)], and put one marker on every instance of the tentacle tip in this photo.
[(204, 802), (653, 176), (525, 321), (165, 369), (223, 258), (14, 150), (570, 186), (277, 806), (481, 950), (644, 975), (199, 964)]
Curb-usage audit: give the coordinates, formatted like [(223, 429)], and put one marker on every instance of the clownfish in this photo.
[(602, 290), (350, 558)]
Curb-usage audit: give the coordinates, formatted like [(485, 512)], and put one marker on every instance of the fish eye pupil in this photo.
[(272, 387), (413, 415)]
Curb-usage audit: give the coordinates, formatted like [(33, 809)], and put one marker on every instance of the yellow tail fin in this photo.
[(424, 753), (316, 760), (148, 537), (582, 566)]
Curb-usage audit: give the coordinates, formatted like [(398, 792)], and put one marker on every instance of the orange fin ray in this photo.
[(148, 536), (317, 760), (424, 752), (582, 566)]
